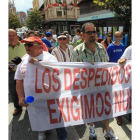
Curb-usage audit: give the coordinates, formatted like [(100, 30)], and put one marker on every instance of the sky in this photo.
[(23, 5)]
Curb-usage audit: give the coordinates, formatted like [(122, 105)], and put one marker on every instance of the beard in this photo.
[(92, 39)]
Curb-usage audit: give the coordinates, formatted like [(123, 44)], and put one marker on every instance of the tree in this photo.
[(121, 8), (34, 20), (14, 22)]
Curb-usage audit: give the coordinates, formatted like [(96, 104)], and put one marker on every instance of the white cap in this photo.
[(61, 36)]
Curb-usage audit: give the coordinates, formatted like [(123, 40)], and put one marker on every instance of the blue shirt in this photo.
[(48, 43), (115, 52)]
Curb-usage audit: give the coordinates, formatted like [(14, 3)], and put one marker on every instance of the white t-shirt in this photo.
[(52, 41), (75, 39), (21, 69), (127, 53)]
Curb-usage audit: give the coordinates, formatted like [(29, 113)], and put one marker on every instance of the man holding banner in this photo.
[(33, 46), (91, 51), (67, 94), (62, 54)]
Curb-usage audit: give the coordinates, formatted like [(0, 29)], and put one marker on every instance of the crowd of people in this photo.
[(62, 47)]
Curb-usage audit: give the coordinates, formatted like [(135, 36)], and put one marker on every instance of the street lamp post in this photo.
[(66, 9)]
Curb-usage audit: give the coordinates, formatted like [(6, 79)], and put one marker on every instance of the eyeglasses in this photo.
[(62, 39), (90, 32), (118, 36), (29, 44)]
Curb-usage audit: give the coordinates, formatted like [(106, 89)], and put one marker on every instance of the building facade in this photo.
[(22, 17), (11, 7), (35, 4), (61, 17)]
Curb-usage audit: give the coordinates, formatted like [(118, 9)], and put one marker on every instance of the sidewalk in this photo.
[(19, 129)]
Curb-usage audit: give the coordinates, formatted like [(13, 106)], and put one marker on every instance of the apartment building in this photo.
[(11, 7), (35, 4), (61, 15), (22, 17)]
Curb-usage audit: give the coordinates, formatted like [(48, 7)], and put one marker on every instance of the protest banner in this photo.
[(73, 93)]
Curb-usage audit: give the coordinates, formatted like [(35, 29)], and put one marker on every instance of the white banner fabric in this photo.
[(73, 93)]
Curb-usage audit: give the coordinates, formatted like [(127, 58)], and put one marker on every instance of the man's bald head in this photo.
[(118, 32), (13, 37), (118, 36), (12, 30)]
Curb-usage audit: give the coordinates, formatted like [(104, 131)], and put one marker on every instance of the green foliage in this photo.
[(121, 8), (14, 22), (34, 20)]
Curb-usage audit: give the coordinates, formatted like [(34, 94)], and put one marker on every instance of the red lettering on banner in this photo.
[(90, 78), (114, 81), (107, 94), (125, 108), (127, 68), (118, 101), (81, 101), (107, 72), (119, 75), (89, 109), (47, 90), (36, 80), (75, 71), (60, 106), (84, 70), (68, 111), (74, 99), (67, 72), (99, 95), (51, 111), (97, 76), (56, 80), (130, 99), (109, 78)]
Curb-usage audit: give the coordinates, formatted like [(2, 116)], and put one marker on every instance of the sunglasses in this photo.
[(90, 32), (118, 36), (29, 45), (62, 38)]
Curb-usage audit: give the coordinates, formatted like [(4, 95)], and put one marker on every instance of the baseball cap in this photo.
[(48, 34), (34, 39)]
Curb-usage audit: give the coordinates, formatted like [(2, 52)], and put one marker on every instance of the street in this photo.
[(20, 129)]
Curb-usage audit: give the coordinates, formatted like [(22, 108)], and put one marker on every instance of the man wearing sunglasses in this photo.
[(62, 54), (116, 49), (64, 50), (16, 48), (92, 51), (33, 46)]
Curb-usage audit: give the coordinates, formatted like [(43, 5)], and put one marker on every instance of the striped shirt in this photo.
[(82, 54), (61, 55)]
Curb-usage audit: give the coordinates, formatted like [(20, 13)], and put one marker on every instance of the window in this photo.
[(59, 13)]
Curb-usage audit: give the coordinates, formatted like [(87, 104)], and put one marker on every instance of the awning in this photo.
[(96, 17)]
